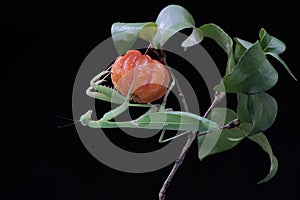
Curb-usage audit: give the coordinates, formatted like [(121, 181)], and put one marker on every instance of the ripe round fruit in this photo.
[(151, 77)]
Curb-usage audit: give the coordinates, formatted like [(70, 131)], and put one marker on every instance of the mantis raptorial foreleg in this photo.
[(155, 118), (103, 92), (108, 94)]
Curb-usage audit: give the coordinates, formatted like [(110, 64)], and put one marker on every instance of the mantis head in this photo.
[(86, 118)]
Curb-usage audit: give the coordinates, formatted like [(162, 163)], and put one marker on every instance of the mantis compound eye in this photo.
[(151, 78)]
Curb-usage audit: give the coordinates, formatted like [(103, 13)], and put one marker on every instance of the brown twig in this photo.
[(181, 96), (179, 160), (191, 137)]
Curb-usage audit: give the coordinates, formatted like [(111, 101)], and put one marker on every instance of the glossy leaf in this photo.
[(263, 110), (240, 47), (273, 47), (253, 73), (242, 108), (218, 35), (245, 128), (195, 38), (170, 20), (243, 43), (276, 56), (222, 39), (175, 120), (221, 140), (259, 110), (230, 62), (263, 142), (148, 31), (124, 35), (271, 44)]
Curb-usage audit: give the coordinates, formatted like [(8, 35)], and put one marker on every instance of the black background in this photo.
[(43, 47)]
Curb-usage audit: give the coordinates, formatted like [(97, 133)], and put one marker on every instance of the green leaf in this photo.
[(148, 31), (263, 142), (257, 111), (240, 47), (222, 140), (245, 127), (124, 35), (218, 35), (230, 62), (276, 56), (263, 110), (253, 73), (175, 120), (195, 38), (244, 43), (222, 39), (270, 44), (242, 108), (170, 20)]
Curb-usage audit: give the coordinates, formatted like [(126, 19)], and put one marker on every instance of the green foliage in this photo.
[(262, 141), (218, 35), (249, 74), (220, 140), (258, 109), (276, 56), (195, 38), (253, 73), (125, 34), (262, 109), (242, 108), (270, 44), (170, 20)]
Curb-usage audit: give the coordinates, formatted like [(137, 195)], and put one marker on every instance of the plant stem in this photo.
[(191, 137), (181, 95), (178, 162)]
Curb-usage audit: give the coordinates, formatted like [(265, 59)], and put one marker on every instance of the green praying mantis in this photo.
[(157, 117)]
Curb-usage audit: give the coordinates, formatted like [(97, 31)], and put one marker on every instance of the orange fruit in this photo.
[(151, 77)]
